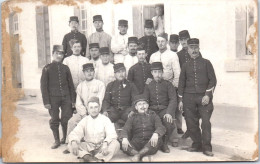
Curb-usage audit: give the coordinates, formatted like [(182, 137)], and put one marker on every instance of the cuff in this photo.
[(180, 97)]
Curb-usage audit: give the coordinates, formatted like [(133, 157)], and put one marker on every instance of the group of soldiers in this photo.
[(129, 93)]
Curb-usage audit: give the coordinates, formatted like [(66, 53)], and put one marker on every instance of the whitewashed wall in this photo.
[(29, 59)]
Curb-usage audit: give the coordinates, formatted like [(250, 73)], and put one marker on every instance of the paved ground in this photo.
[(232, 131)]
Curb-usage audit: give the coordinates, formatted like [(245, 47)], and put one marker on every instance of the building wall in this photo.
[(212, 23)]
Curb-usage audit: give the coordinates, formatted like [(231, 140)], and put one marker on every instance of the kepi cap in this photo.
[(94, 99), (148, 23), (163, 35), (87, 66), (156, 66), (122, 22), (193, 41), (58, 48), (97, 18), (132, 40), (104, 50), (118, 66), (174, 38), (74, 18), (184, 34), (93, 45), (138, 98)]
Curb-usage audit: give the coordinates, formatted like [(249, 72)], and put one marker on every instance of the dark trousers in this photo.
[(194, 110), (118, 113), (169, 126), (138, 144), (63, 102)]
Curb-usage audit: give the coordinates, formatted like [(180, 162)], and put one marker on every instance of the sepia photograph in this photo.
[(129, 81)]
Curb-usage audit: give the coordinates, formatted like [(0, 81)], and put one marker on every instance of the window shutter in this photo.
[(241, 23), (43, 35)]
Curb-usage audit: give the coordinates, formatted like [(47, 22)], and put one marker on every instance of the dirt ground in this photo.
[(35, 140)]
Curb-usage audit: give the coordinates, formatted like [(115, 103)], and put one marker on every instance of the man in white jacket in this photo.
[(104, 69), (75, 62), (85, 90), (169, 59), (98, 133), (119, 42), (131, 58)]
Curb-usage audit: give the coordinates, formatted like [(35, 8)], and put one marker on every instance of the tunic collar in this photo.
[(197, 58), (74, 31)]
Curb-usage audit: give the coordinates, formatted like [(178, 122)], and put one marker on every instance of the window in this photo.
[(244, 23), (15, 50), (83, 19), (244, 27), (15, 24)]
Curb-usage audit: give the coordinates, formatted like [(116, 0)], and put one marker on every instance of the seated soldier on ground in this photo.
[(88, 88), (100, 139), (146, 129)]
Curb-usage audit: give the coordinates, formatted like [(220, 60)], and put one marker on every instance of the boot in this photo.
[(208, 153), (165, 147), (186, 135), (138, 157), (64, 133), (133, 152), (57, 139), (86, 158)]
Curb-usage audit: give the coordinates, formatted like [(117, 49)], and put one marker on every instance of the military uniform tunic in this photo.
[(58, 90), (163, 100), (74, 35), (118, 99), (138, 74), (139, 129), (150, 45), (183, 56)]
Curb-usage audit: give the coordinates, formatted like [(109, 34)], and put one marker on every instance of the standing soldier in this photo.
[(163, 101), (100, 37), (58, 92), (117, 104), (183, 55), (174, 43), (74, 34), (131, 59), (197, 83), (75, 62), (105, 70), (119, 42), (140, 73), (148, 40), (169, 59), (158, 20)]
